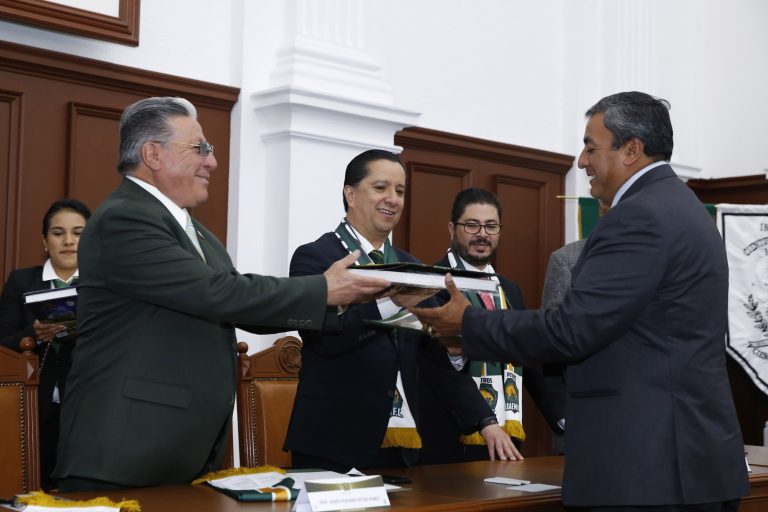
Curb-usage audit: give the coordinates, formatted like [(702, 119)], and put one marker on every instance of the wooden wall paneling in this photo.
[(91, 163), (523, 253), (213, 212), (521, 250), (10, 147), (68, 138), (440, 184), (738, 190)]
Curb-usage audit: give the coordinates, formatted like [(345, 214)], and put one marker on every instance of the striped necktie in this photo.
[(487, 301), (376, 256)]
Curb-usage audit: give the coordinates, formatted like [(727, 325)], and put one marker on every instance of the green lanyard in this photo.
[(351, 242)]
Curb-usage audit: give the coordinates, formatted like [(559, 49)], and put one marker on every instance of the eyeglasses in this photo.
[(473, 228), (204, 148)]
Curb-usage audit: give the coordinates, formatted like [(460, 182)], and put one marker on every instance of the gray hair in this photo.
[(147, 121), (636, 115)]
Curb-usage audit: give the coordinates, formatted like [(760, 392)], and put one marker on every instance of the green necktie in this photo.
[(376, 256), (58, 283), (192, 234)]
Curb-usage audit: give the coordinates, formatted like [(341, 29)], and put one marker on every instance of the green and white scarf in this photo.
[(499, 383), (401, 430)]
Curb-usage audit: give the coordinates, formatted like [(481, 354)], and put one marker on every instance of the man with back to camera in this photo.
[(357, 404), (475, 229), (150, 394), (651, 423)]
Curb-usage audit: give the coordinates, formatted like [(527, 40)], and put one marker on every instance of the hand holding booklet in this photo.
[(55, 306)]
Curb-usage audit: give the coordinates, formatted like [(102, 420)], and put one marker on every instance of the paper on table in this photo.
[(534, 487), (248, 481), (505, 481)]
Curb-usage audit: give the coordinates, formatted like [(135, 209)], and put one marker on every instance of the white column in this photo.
[(325, 102)]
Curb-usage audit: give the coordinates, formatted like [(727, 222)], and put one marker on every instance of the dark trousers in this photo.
[(721, 506)]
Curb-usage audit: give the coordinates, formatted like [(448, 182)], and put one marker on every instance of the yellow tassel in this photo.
[(42, 499), (278, 493), (223, 473), (473, 439), (402, 438), (515, 429)]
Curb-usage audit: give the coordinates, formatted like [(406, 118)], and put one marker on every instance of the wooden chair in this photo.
[(19, 442), (266, 389)]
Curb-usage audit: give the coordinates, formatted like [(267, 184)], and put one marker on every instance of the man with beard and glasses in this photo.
[(475, 229)]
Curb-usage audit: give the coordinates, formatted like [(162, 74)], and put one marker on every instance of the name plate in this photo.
[(346, 493)]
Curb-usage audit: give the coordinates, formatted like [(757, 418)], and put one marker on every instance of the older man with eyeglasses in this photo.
[(151, 391)]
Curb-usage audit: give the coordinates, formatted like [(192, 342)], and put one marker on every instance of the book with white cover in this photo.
[(429, 276)]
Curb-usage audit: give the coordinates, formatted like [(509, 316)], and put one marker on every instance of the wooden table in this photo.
[(450, 487), (447, 487)]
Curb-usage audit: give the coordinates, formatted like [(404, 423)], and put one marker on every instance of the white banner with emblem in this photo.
[(744, 229)]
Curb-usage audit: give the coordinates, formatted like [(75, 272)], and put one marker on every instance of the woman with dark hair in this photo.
[(62, 225)]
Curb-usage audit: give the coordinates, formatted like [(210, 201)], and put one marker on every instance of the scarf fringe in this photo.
[(224, 473), (512, 427), (42, 499), (401, 438)]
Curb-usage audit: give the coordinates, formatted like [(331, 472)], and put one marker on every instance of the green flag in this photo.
[(589, 214), (712, 210)]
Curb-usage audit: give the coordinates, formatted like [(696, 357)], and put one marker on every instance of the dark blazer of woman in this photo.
[(15, 323)]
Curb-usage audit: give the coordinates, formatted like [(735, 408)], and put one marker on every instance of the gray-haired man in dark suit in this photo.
[(150, 394), (651, 423)]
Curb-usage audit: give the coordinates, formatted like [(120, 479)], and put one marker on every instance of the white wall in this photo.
[(513, 71), (190, 39)]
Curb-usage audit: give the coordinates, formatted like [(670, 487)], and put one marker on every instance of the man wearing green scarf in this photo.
[(357, 404), (475, 230)]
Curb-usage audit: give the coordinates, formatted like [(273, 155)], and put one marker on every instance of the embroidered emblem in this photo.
[(511, 395), (397, 405), (490, 394)]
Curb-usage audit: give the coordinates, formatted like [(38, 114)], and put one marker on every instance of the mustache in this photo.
[(482, 240)]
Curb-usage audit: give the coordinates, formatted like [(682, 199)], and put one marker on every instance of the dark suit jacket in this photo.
[(15, 318), (650, 417), (151, 390), (15, 323), (440, 429), (347, 379)]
